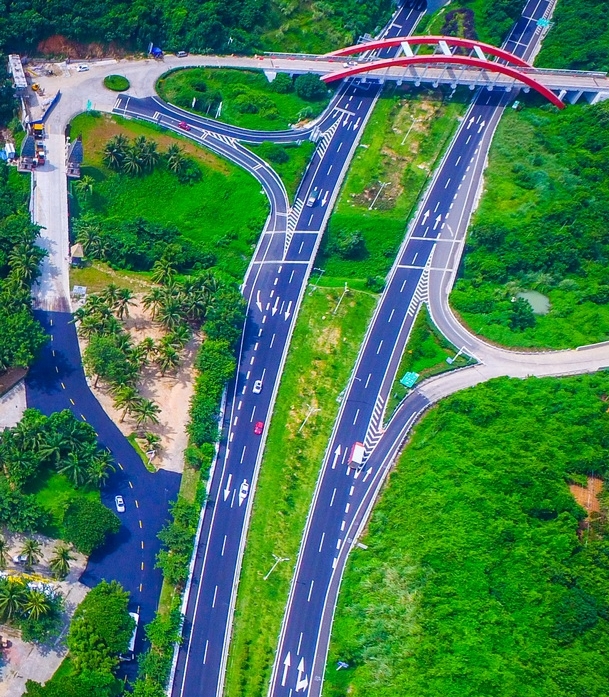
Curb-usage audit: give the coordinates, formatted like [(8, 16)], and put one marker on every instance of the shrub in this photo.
[(282, 84), (87, 524), (310, 87), (116, 83), (273, 152)]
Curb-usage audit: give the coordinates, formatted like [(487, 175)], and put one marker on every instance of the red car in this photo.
[(184, 126), (259, 427)]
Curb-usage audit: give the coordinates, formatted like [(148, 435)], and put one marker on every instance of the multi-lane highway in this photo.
[(343, 494), (273, 287)]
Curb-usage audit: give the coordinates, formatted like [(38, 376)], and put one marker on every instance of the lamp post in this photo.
[(278, 560)]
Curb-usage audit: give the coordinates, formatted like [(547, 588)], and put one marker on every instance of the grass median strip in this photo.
[(324, 347)]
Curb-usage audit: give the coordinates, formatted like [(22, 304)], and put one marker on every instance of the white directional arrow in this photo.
[(438, 219), (324, 200), (287, 312), (275, 306), (286, 666), (336, 456), (425, 216), (469, 125), (227, 489), (301, 667), (302, 684), (258, 303), (368, 473), (482, 125)]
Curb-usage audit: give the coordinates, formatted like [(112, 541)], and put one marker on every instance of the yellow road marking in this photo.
[(141, 526), (142, 566), (119, 464), (83, 417), (140, 587)]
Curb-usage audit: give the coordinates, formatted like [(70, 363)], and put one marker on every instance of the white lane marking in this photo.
[(330, 169), (402, 288), (235, 421), (240, 404), (414, 258), (275, 281), (338, 544), (223, 546), (351, 490), (391, 316), (247, 375), (321, 542), (213, 602), (356, 415), (299, 643), (256, 346), (310, 591), (232, 435), (272, 341), (292, 275), (343, 525), (347, 507), (205, 652), (367, 380), (302, 243), (253, 412), (458, 160), (333, 495), (378, 350), (243, 453), (447, 183)]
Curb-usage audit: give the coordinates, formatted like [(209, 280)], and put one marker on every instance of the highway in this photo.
[(342, 494), (273, 287)]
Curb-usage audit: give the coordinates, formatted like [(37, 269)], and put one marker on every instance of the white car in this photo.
[(120, 504), (257, 387), (82, 68), (19, 559)]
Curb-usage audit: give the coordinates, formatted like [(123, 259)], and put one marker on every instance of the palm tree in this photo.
[(168, 359), (152, 440), (109, 295), (170, 315), (3, 553), (115, 151), (176, 158), (32, 551), (100, 468), (36, 604), (12, 598), (24, 260), (179, 337), (163, 271), (60, 561), (124, 299), (153, 300), (149, 155), (146, 411), (147, 344), (126, 398), (53, 447), (132, 163), (74, 469), (88, 233), (85, 185), (196, 304)]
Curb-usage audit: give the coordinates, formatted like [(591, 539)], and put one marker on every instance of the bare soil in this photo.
[(59, 46), (588, 496), (171, 392)]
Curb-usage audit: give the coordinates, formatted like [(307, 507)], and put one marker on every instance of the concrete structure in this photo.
[(74, 158), (15, 68)]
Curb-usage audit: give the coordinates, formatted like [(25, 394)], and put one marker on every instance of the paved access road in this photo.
[(425, 265), (273, 287)]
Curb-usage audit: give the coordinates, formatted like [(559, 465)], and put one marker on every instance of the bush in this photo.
[(116, 83), (282, 84), (310, 87), (273, 152), (349, 244), (89, 683), (87, 524)]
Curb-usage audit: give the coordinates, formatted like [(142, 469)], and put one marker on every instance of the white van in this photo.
[(356, 456)]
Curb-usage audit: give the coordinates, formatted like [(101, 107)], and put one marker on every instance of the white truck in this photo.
[(356, 456), (129, 655)]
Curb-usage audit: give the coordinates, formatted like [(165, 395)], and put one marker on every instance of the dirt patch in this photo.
[(587, 497), (171, 392), (59, 46)]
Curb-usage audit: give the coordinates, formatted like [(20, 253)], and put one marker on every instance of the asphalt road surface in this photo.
[(343, 494), (274, 286)]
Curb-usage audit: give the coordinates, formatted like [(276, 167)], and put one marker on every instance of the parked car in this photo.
[(82, 68), (258, 428), (184, 126), (257, 387), (119, 503), (182, 54), (19, 559)]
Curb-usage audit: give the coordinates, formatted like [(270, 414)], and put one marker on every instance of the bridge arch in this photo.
[(431, 40), (468, 61)]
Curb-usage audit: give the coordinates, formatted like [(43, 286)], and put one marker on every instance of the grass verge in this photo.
[(322, 354), (425, 353), (240, 97), (223, 213), (291, 165), (403, 140)]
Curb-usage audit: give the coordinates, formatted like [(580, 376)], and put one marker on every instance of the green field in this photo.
[(479, 576), (541, 226), (322, 354), (247, 98), (401, 144), (223, 213), (290, 172)]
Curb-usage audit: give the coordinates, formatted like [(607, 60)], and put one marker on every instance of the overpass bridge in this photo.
[(441, 60)]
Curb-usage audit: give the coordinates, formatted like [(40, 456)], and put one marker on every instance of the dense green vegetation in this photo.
[(211, 219), (245, 97), (542, 225), (579, 37), (40, 449), (491, 19), (480, 576), (100, 630), (400, 146), (196, 25), (21, 337), (322, 354)]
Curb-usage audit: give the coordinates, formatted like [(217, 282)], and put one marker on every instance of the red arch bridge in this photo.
[(446, 60)]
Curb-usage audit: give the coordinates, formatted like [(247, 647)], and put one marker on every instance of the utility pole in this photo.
[(410, 129), (340, 299), (378, 193), (278, 560), (311, 411)]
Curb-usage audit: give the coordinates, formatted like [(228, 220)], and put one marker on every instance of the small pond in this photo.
[(539, 302)]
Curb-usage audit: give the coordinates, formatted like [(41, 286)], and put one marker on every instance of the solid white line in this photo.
[(356, 415), (205, 652), (368, 380), (321, 542), (272, 341)]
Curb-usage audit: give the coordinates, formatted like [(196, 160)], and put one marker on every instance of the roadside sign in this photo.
[(409, 379)]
